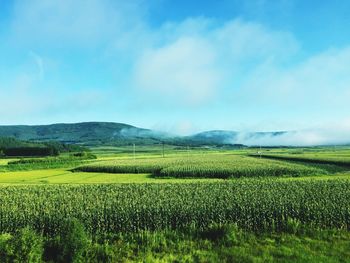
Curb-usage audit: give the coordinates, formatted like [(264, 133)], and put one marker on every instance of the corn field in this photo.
[(210, 166), (254, 204), (342, 160)]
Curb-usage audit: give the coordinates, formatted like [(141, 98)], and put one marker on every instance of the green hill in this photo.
[(89, 133), (109, 133)]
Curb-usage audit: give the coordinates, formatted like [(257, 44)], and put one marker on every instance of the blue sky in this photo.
[(179, 66)]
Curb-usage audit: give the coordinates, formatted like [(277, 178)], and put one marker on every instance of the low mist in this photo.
[(312, 137)]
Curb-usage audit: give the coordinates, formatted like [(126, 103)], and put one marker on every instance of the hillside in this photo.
[(82, 133), (109, 133)]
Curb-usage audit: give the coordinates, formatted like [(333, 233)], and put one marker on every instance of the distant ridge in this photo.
[(110, 133), (84, 133)]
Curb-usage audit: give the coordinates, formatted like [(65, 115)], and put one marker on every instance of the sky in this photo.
[(176, 65)]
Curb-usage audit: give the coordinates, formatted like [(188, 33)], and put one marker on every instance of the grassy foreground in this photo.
[(216, 244)]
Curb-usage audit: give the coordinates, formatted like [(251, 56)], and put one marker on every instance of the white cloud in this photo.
[(189, 63), (241, 41), (321, 82), (184, 70)]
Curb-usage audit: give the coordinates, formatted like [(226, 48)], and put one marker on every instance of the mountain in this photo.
[(109, 133), (89, 133)]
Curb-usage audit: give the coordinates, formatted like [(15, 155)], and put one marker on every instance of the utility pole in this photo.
[(260, 151), (134, 150), (163, 149)]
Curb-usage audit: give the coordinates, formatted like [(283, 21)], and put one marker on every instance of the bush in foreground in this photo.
[(24, 246)]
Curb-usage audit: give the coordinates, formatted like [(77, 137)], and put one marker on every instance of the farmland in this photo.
[(251, 204), (336, 158), (134, 205), (208, 166)]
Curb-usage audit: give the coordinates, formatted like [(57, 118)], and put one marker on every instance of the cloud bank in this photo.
[(202, 58), (334, 134)]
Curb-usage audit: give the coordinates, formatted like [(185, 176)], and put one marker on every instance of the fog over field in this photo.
[(310, 137)]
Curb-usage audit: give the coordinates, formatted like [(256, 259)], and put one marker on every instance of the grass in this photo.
[(217, 244), (234, 245)]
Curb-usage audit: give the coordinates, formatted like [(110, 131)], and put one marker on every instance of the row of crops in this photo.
[(253, 204), (208, 165), (46, 163), (334, 159)]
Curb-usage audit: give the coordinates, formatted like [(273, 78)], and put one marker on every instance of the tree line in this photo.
[(13, 147)]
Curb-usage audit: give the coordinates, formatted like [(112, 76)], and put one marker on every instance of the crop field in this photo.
[(30, 164), (124, 200), (208, 166), (330, 155), (342, 160), (251, 204), (62, 176)]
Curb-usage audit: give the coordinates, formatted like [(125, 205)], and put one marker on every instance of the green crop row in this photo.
[(341, 160), (253, 204), (47, 163)]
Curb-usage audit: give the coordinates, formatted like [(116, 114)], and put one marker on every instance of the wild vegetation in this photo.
[(225, 243)]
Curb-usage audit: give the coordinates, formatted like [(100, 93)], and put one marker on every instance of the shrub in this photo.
[(24, 246), (69, 245)]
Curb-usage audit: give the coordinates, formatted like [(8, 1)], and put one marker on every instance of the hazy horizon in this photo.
[(179, 66)]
